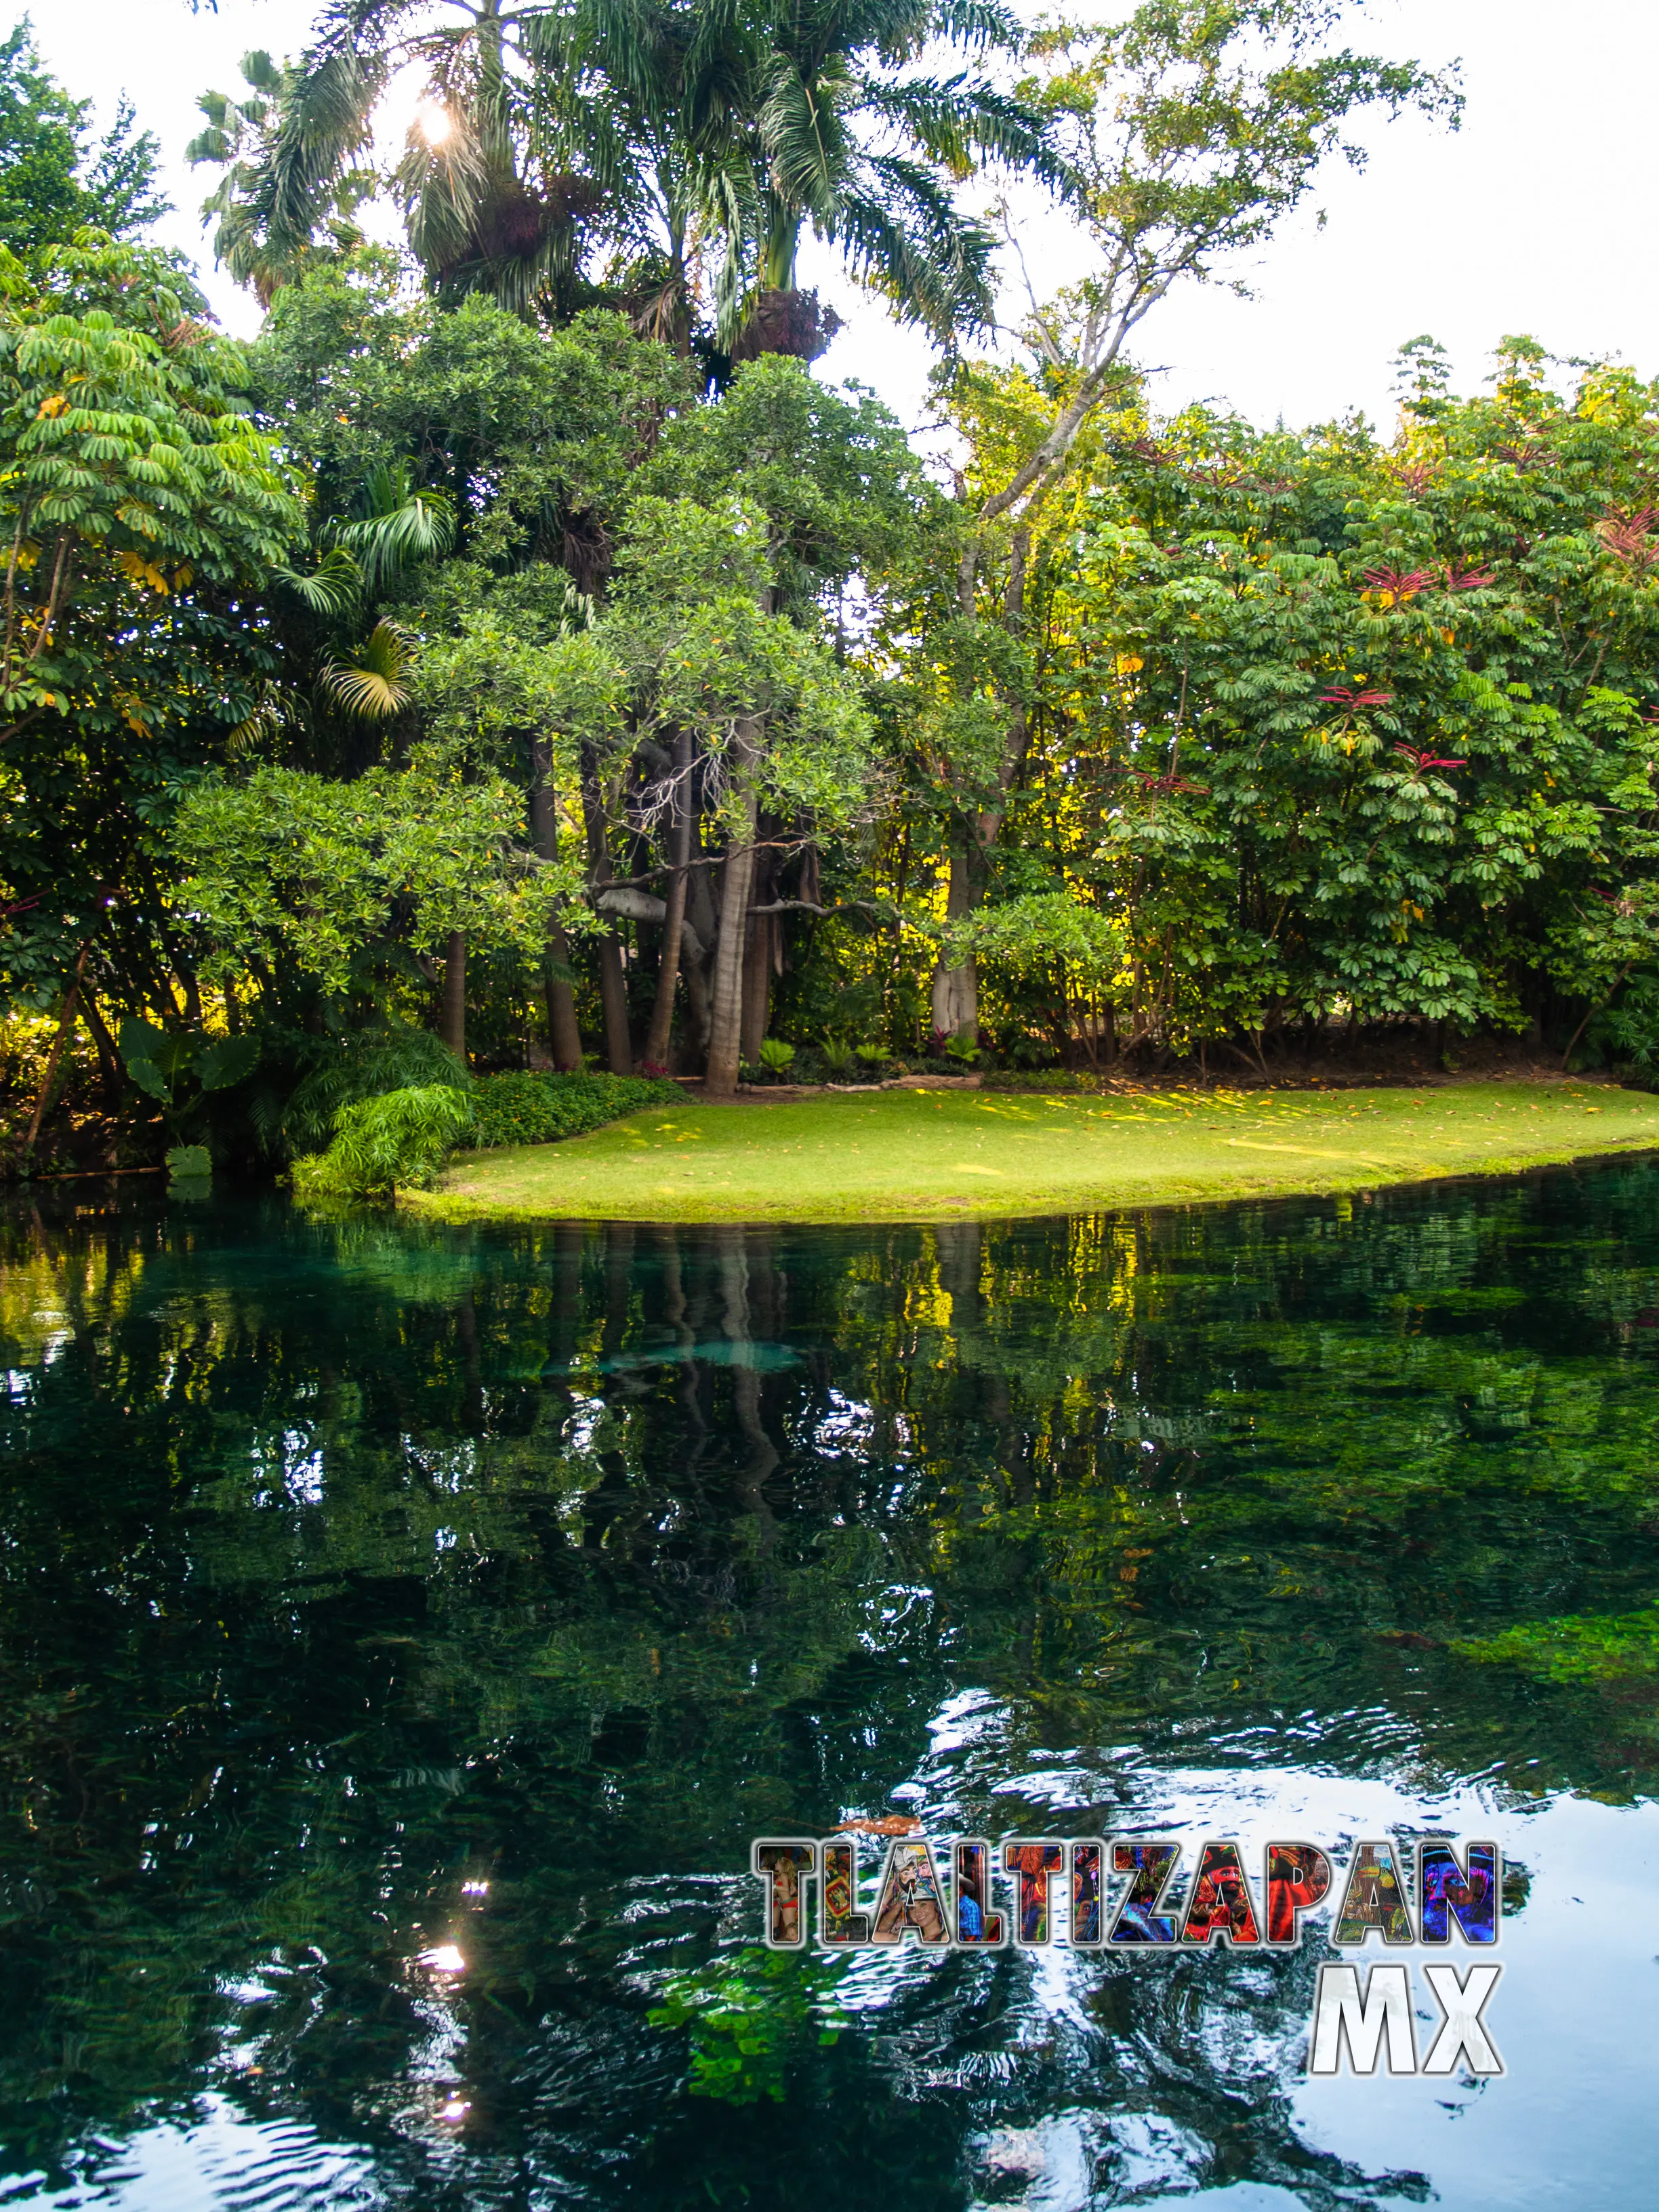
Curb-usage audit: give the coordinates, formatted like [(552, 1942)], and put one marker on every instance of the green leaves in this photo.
[(127, 459), (400, 525), (1024, 935), (345, 879), (398, 1138), (160, 1060), (375, 685)]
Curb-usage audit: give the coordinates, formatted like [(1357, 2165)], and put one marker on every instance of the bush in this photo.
[(402, 1136), (1043, 1079), (367, 1063), (539, 1109), (379, 1143)]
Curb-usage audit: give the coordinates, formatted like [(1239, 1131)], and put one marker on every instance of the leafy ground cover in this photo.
[(904, 1154), (522, 1109)]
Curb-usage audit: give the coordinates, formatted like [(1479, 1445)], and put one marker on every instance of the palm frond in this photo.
[(376, 684), (807, 147), (332, 587), (397, 525), (906, 241), (976, 23), (326, 121), (958, 121)]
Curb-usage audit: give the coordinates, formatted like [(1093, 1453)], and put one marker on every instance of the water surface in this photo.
[(404, 1629)]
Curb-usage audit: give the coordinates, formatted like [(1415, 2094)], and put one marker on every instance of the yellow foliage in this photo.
[(141, 572)]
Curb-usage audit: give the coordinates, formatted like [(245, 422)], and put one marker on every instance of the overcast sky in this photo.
[(1537, 216)]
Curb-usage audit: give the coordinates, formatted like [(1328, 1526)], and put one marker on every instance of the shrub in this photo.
[(777, 1057), (367, 1063), (379, 1143), (539, 1109), (402, 1136), (1039, 1079)]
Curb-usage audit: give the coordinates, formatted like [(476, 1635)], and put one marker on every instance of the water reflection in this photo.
[(406, 1629)]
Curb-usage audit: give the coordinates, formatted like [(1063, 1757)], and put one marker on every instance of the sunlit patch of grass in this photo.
[(903, 1155)]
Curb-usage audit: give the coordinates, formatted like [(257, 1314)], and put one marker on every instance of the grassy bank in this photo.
[(906, 1154)]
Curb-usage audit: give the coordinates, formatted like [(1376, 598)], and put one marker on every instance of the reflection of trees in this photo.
[(342, 1561)]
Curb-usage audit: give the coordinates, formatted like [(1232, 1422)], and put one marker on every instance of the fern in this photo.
[(363, 1066), (399, 1137)]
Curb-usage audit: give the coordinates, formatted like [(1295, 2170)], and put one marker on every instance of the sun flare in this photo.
[(434, 123)]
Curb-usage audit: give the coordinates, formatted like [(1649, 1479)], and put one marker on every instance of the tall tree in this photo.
[(55, 178), (142, 508), (846, 130), (270, 224), (500, 168), (1193, 130), (667, 130)]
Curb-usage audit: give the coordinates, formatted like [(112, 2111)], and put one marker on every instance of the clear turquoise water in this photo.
[(376, 1598)]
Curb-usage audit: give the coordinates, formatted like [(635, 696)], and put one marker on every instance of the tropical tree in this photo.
[(840, 128), (678, 133), (351, 883), (1192, 130), (54, 177), (263, 239), (141, 505), (498, 173)]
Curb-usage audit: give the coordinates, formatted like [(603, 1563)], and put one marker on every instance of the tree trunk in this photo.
[(955, 990), (673, 921), (564, 1034), (613, 983), (55, 1057), (699, 1012), (109, 1057), (701, 916), (759, 957), (726, 1027), (452, 1007), (757, 985)]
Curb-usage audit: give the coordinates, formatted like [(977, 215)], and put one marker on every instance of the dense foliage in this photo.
[(386, 1139), (508, 648), (538, 1110)]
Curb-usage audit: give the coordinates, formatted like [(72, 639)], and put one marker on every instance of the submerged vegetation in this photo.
[(517, 660)]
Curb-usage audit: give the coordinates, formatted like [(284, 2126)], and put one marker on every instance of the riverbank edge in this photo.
[(1107, 1196)]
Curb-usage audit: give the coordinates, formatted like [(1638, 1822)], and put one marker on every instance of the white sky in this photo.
[(1536, 217)]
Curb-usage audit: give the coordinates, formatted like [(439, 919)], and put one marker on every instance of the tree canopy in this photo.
[(529, 661)]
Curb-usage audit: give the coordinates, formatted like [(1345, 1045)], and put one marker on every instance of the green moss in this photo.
[(901, 1155), (1594, 1648)]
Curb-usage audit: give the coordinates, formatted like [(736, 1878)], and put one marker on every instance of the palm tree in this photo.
[(264, 236), (840, 132), (497, 176), (680, 129)]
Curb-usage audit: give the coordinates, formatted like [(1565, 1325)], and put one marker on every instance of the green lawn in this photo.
[(898, 1155)]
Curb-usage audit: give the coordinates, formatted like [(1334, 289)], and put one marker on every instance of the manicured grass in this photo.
[(900, 1155)]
